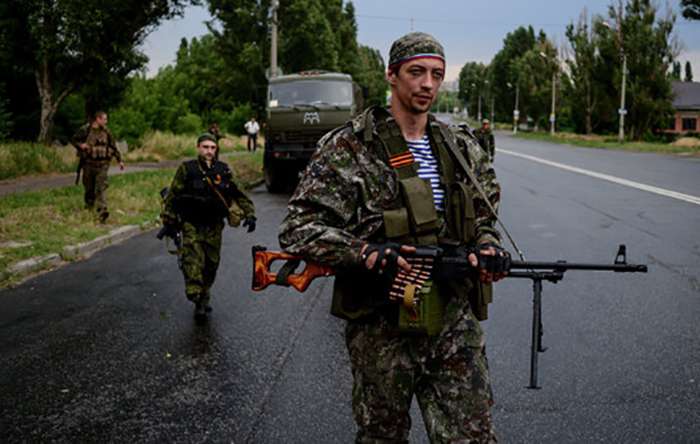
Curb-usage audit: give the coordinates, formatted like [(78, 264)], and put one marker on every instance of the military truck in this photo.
[(301, 108)]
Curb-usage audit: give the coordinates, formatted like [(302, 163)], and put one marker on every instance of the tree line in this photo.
[(62, 60), (586, 72)]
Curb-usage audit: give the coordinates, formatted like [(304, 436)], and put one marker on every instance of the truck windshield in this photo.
[(311, 92)]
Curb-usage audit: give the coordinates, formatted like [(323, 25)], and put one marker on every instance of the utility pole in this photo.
[(622, 110), (478, 114), (516, 111), (553, 116), (273, 39), (620, 40)]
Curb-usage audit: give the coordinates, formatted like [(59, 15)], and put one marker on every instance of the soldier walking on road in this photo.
[(203, 194), (486, 139), (96, 147), (389, 180)]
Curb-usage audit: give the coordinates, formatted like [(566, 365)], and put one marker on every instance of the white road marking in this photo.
[(618, 180)]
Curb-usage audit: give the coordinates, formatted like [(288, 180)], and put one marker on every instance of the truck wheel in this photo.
[(275, 178)]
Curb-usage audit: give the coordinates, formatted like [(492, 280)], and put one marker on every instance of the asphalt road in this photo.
[(106, 350)]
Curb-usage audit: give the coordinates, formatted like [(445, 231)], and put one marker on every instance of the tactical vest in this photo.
[(415, 221), (98, 142), (198, 203)]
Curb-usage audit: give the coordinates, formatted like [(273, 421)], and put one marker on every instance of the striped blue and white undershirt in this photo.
[(428, 168)]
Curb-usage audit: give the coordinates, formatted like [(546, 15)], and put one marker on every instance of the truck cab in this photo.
[(301, 108)]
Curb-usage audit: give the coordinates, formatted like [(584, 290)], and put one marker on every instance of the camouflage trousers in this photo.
[(200, 254), (448, 374), (95, 185)]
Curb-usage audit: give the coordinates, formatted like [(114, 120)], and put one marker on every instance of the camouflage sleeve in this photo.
[(322, 206), (483, 169), (113, 147), (177, 186), (79, 137), (237, 195)]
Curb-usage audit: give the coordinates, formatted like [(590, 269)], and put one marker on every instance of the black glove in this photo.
[(388, 252), (168, 230), (250, 223), (500, 263)]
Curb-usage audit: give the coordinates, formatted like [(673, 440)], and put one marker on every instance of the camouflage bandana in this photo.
[(413, 46), (207, 136)]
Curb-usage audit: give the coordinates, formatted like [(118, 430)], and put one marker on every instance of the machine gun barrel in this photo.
[(564, 266)]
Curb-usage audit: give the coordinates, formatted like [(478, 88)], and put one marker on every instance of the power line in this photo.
[(451, 22)]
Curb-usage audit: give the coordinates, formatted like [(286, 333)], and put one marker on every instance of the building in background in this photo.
[(686, 104)]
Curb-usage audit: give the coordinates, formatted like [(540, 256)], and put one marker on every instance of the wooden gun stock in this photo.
[(264, 276)]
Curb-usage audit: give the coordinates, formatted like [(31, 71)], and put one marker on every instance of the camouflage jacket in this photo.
[(169, 214), (346, 187), (486, 140), (100, 141)]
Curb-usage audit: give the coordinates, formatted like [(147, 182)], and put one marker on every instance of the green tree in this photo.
[(691, 9), (688, 71), (502, 67), (676, 73), (582, 67), (370, 75), (472, 83), (645, 39), (243, 42), (5, 115), (307, 39), (72, 43), (536, 69)]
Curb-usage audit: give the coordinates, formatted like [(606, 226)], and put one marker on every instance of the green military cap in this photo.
[(414, 45), (207, 136)]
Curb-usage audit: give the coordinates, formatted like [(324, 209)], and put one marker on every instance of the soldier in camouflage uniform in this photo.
[(203, 194), (96, 147), (485, 137), (354, 209)]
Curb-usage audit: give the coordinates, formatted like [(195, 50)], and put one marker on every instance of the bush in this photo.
[(237, 118), (128, 124), (189, 124), (23, 158)]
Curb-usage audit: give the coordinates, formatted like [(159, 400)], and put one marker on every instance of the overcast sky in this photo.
[(470, 30)]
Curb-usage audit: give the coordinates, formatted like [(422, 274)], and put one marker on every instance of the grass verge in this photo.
[(19, 159), (25, 158), (158, 146), (50, 220), (603, 142)]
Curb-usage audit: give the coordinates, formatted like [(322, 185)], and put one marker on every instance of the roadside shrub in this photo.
[(189, 124), (128, 124)]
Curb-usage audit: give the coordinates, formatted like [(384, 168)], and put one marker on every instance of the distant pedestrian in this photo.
[(215, 131), (203, 194), (96, 147), (486, 139), (252, 128)]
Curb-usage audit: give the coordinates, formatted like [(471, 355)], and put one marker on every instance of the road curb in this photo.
[(29, 267), (33, 264), (86, 249)]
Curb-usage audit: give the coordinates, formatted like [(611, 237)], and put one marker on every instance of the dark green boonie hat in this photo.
[(415, 45), (207, 136)]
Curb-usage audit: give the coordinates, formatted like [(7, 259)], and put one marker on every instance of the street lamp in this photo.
[(516, 111), (622, 111), (553, 115)]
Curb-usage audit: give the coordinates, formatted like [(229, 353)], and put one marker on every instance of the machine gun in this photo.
[(437, 263), (176, 237)]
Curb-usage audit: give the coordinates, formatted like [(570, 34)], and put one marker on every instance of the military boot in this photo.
[(200, 312)]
